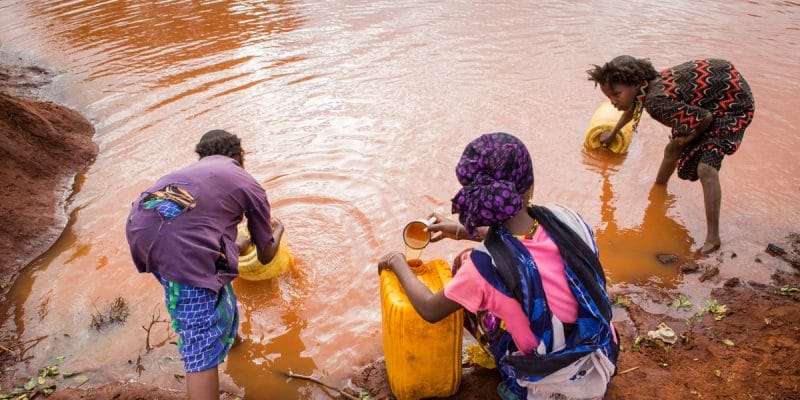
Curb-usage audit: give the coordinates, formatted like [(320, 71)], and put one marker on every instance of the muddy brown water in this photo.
[(353, 114)]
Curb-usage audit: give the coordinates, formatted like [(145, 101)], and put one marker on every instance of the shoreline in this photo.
[(45, 147)]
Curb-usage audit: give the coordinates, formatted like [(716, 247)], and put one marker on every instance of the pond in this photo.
[(353, 115)]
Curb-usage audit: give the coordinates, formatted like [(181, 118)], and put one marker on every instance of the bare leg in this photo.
[(671, 154), (203, 385), (712, 196)]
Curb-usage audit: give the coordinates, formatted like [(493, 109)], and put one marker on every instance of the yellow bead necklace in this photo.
[(529, 235)]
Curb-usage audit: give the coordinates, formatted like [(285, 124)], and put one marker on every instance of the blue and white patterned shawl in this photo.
[(508, 266)]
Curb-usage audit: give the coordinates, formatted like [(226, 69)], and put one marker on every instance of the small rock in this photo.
[(665, 258), (733, 282), (733, 254), (758, 260), (710, 273), (775, 250), (689, 267)]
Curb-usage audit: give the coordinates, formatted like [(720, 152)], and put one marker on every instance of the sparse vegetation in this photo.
[(621, 301), (117, 313), (154, 319), (787, 290), (44, 383), (681, 302)]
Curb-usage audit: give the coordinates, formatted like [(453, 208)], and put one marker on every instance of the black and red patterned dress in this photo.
[(684, 95)]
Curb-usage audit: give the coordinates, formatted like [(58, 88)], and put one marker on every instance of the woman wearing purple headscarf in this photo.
[(533, 289)]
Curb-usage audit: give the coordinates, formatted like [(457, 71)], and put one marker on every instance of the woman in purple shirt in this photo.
[(183, 230)]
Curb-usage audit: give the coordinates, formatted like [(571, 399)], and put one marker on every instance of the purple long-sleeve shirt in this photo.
[(184, 249)]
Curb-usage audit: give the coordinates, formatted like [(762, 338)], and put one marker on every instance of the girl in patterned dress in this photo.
[(708, 105)]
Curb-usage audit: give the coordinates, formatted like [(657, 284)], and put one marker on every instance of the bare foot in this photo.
[(709, 247)]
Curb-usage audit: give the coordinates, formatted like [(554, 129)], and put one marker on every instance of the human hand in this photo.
[(606, 137), (277, 226), (685, 140), (387, 260), (446, 228), (242, 243)]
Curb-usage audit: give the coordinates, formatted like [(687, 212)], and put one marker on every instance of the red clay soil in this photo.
[(42, 147), (752, 352), (124, 391), (119, 391)]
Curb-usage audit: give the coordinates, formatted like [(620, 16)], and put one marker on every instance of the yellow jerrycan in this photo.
[(604, 119), (422, 359), (252, 270)]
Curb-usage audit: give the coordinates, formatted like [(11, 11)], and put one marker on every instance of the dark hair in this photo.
[(219, 142), (626, 70)]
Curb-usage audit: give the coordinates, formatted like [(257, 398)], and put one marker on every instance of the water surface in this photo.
[(353, 114)]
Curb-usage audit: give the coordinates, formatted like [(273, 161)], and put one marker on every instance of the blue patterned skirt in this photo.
[(206, 322)]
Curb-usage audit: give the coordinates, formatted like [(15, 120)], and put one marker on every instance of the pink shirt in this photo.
[(474, 293)]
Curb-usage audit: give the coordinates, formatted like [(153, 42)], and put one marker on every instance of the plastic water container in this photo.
[(604, 119), (252, 270), (422, 359)]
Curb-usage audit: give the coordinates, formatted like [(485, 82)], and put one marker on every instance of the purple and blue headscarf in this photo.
[(495, 171)]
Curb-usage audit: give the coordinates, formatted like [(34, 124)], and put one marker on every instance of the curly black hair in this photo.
[(219, 142), (626, 70)]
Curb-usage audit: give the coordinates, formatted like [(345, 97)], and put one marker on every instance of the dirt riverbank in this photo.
[(42, 147), (747, 349)]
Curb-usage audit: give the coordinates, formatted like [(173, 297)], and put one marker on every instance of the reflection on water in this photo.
[(146, 38), (14, 307), (270, 344), (354, 114), (630, 254)]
